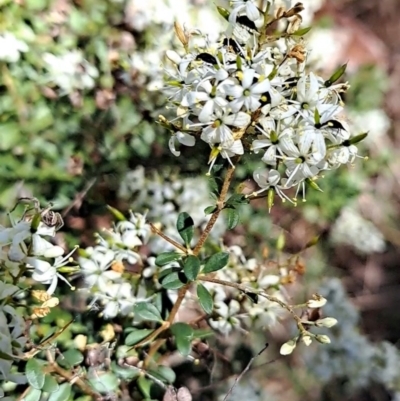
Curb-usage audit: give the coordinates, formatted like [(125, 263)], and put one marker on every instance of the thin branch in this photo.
[(183, 290), (220, 206), (248, 290), (166, 238), (239, 377)]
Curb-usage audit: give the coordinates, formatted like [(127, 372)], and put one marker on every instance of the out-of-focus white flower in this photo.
[(226, 320), (11, 47), (352, 229), (118, 298), (70, 71)]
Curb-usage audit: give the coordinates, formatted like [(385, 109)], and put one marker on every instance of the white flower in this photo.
[(250, 9), (11, 47), (70, 71), (96, 270), (248, 93), (317, 301), (118, 299), (273, 138), (227, 319), (46, 273), (301, 162), (226, 151), (183, 138), (219, 131)]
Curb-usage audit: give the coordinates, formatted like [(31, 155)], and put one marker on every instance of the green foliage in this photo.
[(191, 267), (216, 262), (34, 373), (60, 139), (146, 311), (167, 257), (185, 227), (183, 337), (205, 298)]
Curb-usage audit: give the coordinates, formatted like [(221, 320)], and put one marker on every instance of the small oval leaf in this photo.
[(205, 298), (216, 262), (137, 335), (191, 267), (185, 227), (62, 394), (33, 395), (50, 384), (233, 218), (34, 374), (70, 358), (146, 311), (167, 257), (183, 336), (172, 282)]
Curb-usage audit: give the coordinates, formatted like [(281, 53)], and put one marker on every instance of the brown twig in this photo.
[(183, 290), (168, 239)]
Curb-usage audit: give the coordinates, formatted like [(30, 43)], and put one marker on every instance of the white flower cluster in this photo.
[(103, 266), (25, 246), (250, 92), (70, 71), (11, 47), (165, 198), (352, 229)]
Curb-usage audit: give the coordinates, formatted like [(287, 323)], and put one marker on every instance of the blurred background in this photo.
[(78, 106)]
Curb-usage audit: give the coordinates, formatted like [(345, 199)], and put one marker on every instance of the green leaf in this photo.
[(216, 262), (185, 227), (183, 336), (50, 384), (105, 383), (5, 356), (356, 139), (335, 76), (302, 31), (136, 336), (205, 298), (233, 218), (236, 200), (317, 117), (223, 12), (163, 373), (146, 311), (144, 385), (167, 257), (191, 267), (62, 394), (210, 209), (34, 373), (70, 358), (172, 282), (33, 395)]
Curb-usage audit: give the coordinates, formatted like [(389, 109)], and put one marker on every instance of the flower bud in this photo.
[(326, 322), (317, 301), (307, 340), (323, 339), (288, 347)]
